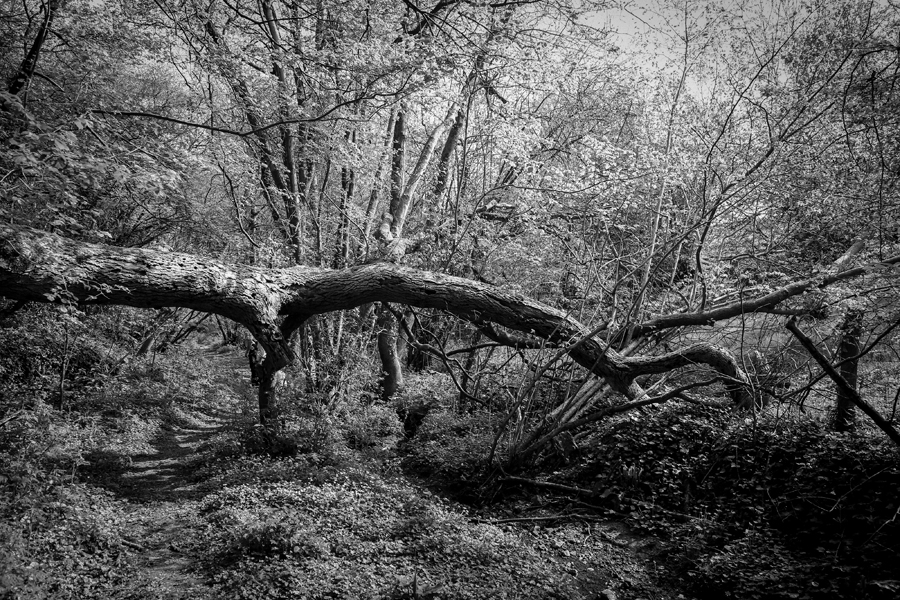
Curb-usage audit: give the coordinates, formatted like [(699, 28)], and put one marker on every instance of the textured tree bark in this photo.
[(391, 379), (398, 168), (377, 183), (443, 165), (391, 370), (400, 210), (43, 267), (845, 409), (391, 232), (403, 337), (348, 183)]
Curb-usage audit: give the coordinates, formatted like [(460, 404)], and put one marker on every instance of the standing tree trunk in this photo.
[(391, 233), (270, 381), (348, 183), (377, 183), (443, 165), (845, 410), (886, 426), (403, 341), (391, 369), (19, 81)]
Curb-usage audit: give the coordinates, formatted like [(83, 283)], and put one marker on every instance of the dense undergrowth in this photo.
[(303, 528), (72, 409), (771, 507), (767, 507), (323, 510), (318, 510)]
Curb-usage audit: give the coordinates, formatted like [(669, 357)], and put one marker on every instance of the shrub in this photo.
[(274, 536), (756, 508), (62, 541)]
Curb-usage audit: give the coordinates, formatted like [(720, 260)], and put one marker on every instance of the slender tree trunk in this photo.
[(402, 339), (377, 183), (845, 409), (391, 369), (20, 80), (288, 190), (317, 214), (398, 166), (471, 361), (270, 381), (400, 209), (364, 317), (348, 183), (147, 344), (391, 229), (443, 166), (886, 426), (387, 326)]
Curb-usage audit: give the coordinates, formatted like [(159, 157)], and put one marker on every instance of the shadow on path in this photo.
[(168, 474), (160, 490)]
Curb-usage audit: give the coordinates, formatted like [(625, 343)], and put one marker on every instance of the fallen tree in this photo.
[(272, 303)]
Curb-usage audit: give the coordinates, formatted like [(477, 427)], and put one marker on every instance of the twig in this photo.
[(411, 338), (675, 393), (667, 511), (855, 357), (12, 417), (603, 534), (256, 131), (883, 525), (473, 348), (504, 339), (237, 207), (549, 485), (584, 492), (49, 80), (132, 545), (545, 518)]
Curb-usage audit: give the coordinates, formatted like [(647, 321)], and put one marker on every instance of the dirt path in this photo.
[(162, 494), (162, 504)]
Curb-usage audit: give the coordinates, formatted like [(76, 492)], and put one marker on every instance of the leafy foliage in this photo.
[(61, 540), (763, 508), (451, 448), (356, 535)]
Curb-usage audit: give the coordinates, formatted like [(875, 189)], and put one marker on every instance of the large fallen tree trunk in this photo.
[(272, 303)]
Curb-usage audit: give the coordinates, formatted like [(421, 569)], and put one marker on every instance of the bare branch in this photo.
[(762, 303), (851, 393)]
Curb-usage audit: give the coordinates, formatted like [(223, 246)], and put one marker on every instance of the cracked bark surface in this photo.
[(43, 267)]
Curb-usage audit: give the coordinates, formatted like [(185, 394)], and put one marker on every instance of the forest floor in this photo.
[(153, 482), (162, 504), (161, 495)]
